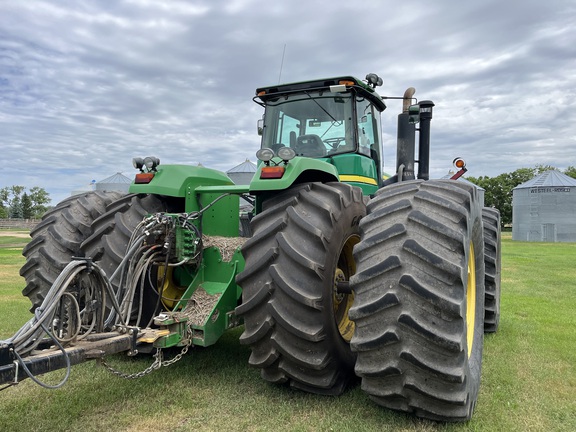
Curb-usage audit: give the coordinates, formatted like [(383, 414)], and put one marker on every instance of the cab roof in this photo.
[(321, 84)]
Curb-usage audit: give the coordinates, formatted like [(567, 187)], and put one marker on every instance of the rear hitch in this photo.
[(131, 331)]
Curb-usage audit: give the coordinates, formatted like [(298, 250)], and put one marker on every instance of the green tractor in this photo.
[(335, 274)]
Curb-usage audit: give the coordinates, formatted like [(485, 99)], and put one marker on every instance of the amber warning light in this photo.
[(461, 165), (144, 178), (272, 172)]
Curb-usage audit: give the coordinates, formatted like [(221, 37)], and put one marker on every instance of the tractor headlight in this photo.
[(138, 163), (265, 154), (286, 153), (151, 162)]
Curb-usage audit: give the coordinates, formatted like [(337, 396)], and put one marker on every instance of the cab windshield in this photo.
[(313, 124)]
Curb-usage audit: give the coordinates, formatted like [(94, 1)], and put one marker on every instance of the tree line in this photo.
[(17, 203), (498, 190)]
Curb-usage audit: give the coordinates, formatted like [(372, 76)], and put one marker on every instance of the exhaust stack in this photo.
[(405, 146), (424, 139)]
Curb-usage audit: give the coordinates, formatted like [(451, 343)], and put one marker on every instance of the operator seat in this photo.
[(310, 145)]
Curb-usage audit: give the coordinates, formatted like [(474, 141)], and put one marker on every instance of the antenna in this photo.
[(281, 64)]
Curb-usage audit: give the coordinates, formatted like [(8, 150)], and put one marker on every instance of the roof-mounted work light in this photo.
[(138, 163), (265, 155), (151, 162), (373, 80), (286, 154)]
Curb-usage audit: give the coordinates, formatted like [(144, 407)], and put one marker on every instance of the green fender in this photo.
[(199, 187), (177, 180), (298, 170)]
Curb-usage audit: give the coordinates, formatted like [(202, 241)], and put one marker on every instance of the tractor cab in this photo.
[(336, 120)]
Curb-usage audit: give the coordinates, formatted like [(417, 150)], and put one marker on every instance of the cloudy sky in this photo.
[(86, 85)]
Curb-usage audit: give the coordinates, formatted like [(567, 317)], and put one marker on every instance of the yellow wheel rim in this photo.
[(341, 302), (471, 300), (170, 292)]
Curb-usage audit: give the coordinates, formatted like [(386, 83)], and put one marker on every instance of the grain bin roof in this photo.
[(244, 167), (117, 178), (550, 178)]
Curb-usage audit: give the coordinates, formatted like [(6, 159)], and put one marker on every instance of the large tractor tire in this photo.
[(419, 299), (493, 264), (111, 232), (296, 321), (57, 238)]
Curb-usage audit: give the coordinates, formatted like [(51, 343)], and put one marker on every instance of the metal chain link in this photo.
[(149, 369), (158, 361)]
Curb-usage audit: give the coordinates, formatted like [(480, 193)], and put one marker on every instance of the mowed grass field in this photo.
[(528, 376)]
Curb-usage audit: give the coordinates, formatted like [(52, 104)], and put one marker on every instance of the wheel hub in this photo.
[(471, 300), (342, 297)]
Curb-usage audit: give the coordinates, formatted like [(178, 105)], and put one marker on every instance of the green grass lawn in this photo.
[(528, 377)]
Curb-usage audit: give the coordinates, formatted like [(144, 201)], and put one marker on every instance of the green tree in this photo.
[(27, 211), (5, 197), (17, 191), (11, 194), (570, 171), (539, 169), (16, 208), (498, 190), (11, 201), (39, 198), (4, 193)]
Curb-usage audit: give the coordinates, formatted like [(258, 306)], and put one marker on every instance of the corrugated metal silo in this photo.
[(544, 209), (115, 183), (242, 174)]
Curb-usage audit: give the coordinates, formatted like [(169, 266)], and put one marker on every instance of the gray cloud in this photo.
[(85, 86)]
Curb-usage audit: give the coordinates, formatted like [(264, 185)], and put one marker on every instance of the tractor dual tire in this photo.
[(419, 299), (493, 264), (296, 323), (57, 238)]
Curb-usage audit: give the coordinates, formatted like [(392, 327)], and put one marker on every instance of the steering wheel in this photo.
[(334, 142)]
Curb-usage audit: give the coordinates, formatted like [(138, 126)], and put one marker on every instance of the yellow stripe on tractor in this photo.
[(358, 179)]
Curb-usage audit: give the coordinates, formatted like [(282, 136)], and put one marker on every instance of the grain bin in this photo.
[(544, 208), (242, 174), (115, 183)]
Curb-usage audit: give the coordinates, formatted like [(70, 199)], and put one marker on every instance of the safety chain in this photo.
[(158, 361)]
